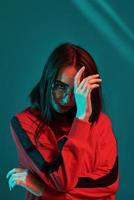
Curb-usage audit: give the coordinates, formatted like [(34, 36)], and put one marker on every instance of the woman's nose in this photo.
[(66, 98)]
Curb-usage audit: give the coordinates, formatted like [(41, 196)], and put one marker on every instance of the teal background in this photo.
[(30, 30)]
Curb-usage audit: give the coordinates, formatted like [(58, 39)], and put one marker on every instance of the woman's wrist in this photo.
[(35, 184), (84, 117)]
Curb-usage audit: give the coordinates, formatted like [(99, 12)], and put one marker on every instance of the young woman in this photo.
[(66, 145)]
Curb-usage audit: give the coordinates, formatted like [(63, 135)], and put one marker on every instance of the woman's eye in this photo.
[(61, 86)]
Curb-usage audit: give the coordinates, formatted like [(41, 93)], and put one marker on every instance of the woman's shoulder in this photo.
[(27, 115), (25, 121), (103, 119), (104, 116)]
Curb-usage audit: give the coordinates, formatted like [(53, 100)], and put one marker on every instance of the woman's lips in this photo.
[(62, 106)]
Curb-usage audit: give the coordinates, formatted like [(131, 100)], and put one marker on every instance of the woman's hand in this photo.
[(26, 179), (82, 93)]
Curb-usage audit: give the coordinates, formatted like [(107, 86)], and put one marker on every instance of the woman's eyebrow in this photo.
[(63, 83)]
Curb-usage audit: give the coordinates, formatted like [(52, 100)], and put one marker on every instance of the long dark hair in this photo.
[(64, 55)]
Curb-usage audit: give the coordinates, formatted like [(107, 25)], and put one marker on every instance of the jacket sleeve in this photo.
[(19, 153), (63, 173), (104, 179), (70, 160)]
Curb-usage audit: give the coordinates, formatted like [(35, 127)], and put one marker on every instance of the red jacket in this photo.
[(81, 165)]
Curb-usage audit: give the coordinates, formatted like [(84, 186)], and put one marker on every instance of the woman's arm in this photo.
[(26, 179), (64, 176)]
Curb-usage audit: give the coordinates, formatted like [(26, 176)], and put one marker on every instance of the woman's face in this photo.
[(62, 98)]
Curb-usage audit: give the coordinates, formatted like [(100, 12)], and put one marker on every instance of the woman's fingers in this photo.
[(17, 177), (78, 77), (13, 178), (13, 181), (94, 80), (89, 81), (10, 172), (94, 86), (14, 170)]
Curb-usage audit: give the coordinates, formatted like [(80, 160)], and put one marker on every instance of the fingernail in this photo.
[(83, 67)]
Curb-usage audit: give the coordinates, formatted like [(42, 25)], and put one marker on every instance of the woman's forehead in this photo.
[(67, 74)]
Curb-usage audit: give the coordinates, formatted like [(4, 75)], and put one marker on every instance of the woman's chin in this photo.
[(62, 109)]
